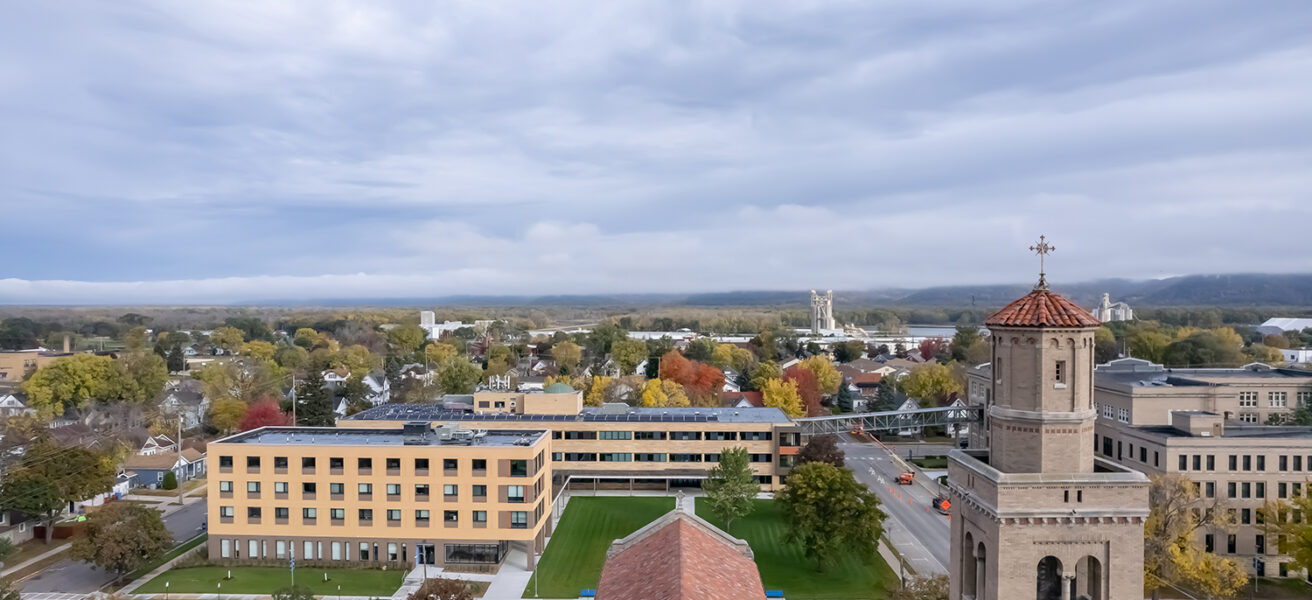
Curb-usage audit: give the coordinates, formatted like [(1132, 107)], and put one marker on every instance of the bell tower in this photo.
[(1037, 514)]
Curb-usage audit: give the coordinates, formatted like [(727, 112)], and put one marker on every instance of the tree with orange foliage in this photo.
[(264, 413), (700, 381), (807, 387)]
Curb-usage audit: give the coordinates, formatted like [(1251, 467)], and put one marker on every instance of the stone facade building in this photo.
[(1107, 312), (1037, 514), (822, 312)]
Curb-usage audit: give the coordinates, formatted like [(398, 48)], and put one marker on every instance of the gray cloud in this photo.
[(242, 151)]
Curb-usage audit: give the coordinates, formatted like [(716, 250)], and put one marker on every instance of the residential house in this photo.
[(158, 444), (13, 405), (736, 399), (149, 469), (908, 429), (186, 399)]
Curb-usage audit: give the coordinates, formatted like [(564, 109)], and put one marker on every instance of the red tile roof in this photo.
[(1042, 308), (679, 557)]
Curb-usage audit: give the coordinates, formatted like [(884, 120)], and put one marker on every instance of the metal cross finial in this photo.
[(1043, 248)]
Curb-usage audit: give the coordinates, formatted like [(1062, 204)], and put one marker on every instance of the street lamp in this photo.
[(166, 590), (219, 587)]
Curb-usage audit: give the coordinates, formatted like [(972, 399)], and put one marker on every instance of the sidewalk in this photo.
[(38, 558), (138, 582)]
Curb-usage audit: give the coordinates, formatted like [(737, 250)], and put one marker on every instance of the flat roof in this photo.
[(1284, 432), (343, 436), (1138, 373), (589, 414)]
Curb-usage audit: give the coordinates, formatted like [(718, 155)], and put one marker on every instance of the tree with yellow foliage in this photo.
[(784, 396), (932, 383), (258, 349), (596, 392), (437, 352), (658, 393), (827, 377), (1172, 554), (1290, 521)]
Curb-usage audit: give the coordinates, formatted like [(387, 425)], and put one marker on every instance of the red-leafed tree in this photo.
[(700, 381), (933, 348), (264, 413), (807, 387)]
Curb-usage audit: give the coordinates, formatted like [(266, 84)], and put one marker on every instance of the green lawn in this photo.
[(578, 545), (930, 462), (783, 567), (264, 580)]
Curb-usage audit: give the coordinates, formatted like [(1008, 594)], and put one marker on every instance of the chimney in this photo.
[(66, 344)]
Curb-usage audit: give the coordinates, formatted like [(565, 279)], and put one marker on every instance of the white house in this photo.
[(377, 389), (186, 399), (12, 406), (157, 444), (908, 429)]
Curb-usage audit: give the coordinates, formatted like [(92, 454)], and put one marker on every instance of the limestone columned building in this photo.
[(1036, 514), (822, 311)]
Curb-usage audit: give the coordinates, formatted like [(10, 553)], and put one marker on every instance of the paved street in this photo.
[(919, 535), (70, 576)]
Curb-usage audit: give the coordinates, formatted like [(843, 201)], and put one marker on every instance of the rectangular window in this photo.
[(280, 549), (336, 488), (337, 514), (281, 512), (1245, 516), (1298, 463), (364, 551), (1231, 489), (366, 514), (1260, 489), (228, 511), (252, 462), (649, 457), (450, 516), (421, 464), (518, 468), (391, 550), (225, 548), (1247, 417), (1261, 462), (480, 491), (393, 464), (719, 436), (337, 551), (225, 462), (394, 514), (1184, 463), (1211, 489), (514, 493), (685, 458), (1211, 462), (253, 487), (1283, 463), (450, 464), (761, 458), (421, 516), (1230, 543), (1260, 544), (225, 486), (366, 488), (253, 512), (309, 513), (254, 547), (307, 462), (421, 490), (685, 436), (479, 464), (480, 516), (1248, 399), (1123, 415), (580, 435), (1248, 462), (755, 436), (616, 435), (336, 462), (1277, 399), (1246, 489), (308, 488), (1281, 490), (1143, 454), (1059, 371), (393, 489), (280, 462), (1209, 543), (280, 487), (615, 457), (364, 464), (649, 435), (450, 490), (1234, 464), (1198, 462), (519, 519)]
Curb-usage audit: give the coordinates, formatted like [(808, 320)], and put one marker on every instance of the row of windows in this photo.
[(455, 553), (1273, 399), (1111, 412), (1250, 489), (1195, 462), (450, 491), (518, 518), (362, 464), (647, 457)]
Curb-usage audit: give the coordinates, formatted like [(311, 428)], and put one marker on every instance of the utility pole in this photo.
[(295, 400), (178, 414)]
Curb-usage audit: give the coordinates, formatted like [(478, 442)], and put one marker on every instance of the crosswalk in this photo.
[(53, 596)]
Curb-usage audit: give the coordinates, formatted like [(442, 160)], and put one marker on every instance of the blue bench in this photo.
[(774, 593), (588, 594)]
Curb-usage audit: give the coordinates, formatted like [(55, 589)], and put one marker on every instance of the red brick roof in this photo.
[(681, 558), (1042, 308)]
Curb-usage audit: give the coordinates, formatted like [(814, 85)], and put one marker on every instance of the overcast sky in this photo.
[(207, 152)]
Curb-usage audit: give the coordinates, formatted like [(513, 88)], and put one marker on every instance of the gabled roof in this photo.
[(1042, 308), (679, 556)]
